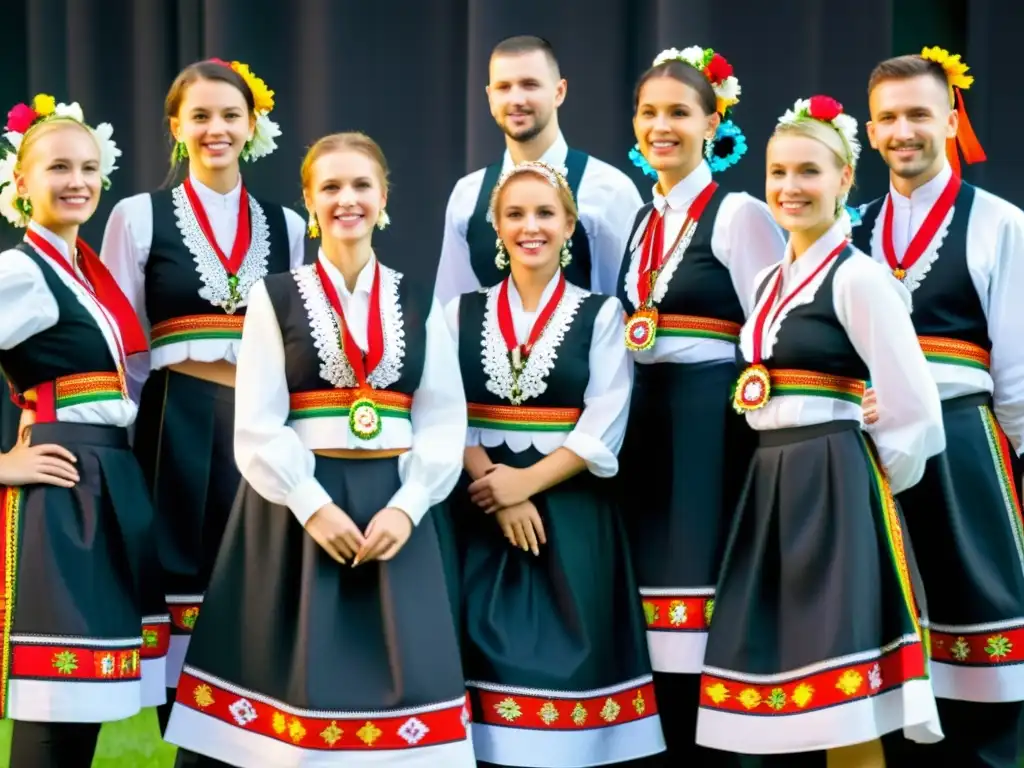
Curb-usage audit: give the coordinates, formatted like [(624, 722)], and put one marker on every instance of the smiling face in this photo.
[(344, 188), (523, 93), (671, 126), (804, 182), (214, 122), (533, 221), (59, 173), (910, 122)]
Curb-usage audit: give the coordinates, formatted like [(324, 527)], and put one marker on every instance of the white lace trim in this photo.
[(533, 378), (917, 273), (806, 296), (334, 365), (667, 271), (389, 369), (215, 279)]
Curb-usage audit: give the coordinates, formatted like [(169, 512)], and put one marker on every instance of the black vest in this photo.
[(301, 361), (480, 235), (569, 375), (701, 285), (74, 345), (945, 302), (811, 337), (172, 278)]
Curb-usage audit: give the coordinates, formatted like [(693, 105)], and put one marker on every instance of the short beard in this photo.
[(528, 134)]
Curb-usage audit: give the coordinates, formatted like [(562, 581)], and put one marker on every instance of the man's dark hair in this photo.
[(905, 68), (527, 44)]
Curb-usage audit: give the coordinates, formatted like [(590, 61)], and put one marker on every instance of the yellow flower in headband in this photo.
[(262, 95), (44, 104), (956, 70)]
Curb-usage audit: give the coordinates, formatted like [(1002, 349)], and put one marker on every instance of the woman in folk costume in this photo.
[(686, 281), (84, 626), (327, 637), (553, 644), (186, 257), (817, 641)]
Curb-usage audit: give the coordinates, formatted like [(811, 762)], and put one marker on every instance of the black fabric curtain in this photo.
[(412, 75)]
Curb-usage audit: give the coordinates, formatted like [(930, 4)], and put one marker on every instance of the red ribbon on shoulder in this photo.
[(965, 138), (102, 286)]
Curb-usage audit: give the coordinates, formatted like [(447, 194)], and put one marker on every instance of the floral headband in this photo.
[(21, 119), (827, 110), (261, 143), (958, 80), (729, 143), (554, 176)]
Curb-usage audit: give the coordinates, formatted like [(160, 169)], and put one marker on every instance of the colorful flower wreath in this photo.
[(554, 175), (825, 109), (20, 120), (958, 81), (261, 143), (729, 143)]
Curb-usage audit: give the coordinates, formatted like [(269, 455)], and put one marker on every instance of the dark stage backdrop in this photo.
[(412, 75)]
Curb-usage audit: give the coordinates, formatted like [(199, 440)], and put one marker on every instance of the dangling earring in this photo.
[(709, 148), (180, 152), (501, 259), (565, 256), (314, 227), (383, 219)]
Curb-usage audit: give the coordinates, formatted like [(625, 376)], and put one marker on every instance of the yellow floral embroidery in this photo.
[(639, 704), (509, 709), (203, 695), (369, 733), (610, 711), (579, 714), (849, 682), (776, 699), (749, 698), (296, 730), (717, 693), (803, 694), (677, 613), (960, 649), (650, 612), (332, 733), (548, 713), (709, 609), (279, 723), (998, 646)]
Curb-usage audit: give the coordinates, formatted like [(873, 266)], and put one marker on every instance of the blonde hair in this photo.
[(539, 170), (825, 134), (338, 142), (40, 129)]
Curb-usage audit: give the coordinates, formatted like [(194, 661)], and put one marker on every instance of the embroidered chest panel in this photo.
[(557, 371), (693, 281), (311, 331), (184, 276)]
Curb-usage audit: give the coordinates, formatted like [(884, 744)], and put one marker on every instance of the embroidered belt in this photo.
[(337, 403), (691, 326), (10, 509), (519, 418), (197, 328), (681, 613), (548, 711), (75, 389), (938, 349), (381, 731), (787, 381)]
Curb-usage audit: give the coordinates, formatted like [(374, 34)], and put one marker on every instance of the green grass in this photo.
[(132, 743)]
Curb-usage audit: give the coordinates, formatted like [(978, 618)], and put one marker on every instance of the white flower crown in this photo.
[(827, 110), (20, 120), (713, 66), (552, 174)]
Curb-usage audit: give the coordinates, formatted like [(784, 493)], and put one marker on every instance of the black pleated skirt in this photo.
[(299, 660), (817, 639), (184, 441), (553, 645), (85, 629), (683, 462), (964, 519)]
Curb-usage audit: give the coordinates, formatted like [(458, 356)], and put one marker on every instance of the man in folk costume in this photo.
[(525, 91), (960, 251)]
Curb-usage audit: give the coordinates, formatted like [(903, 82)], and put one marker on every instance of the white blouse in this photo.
[(125, 251), (744, 238), (874, 308), (599, 432), (608, 201), (27, 308), (276, 456), (995, 261)]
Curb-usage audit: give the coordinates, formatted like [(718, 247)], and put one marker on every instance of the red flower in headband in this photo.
[(824, 108), (717, 69), (20, 118)]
